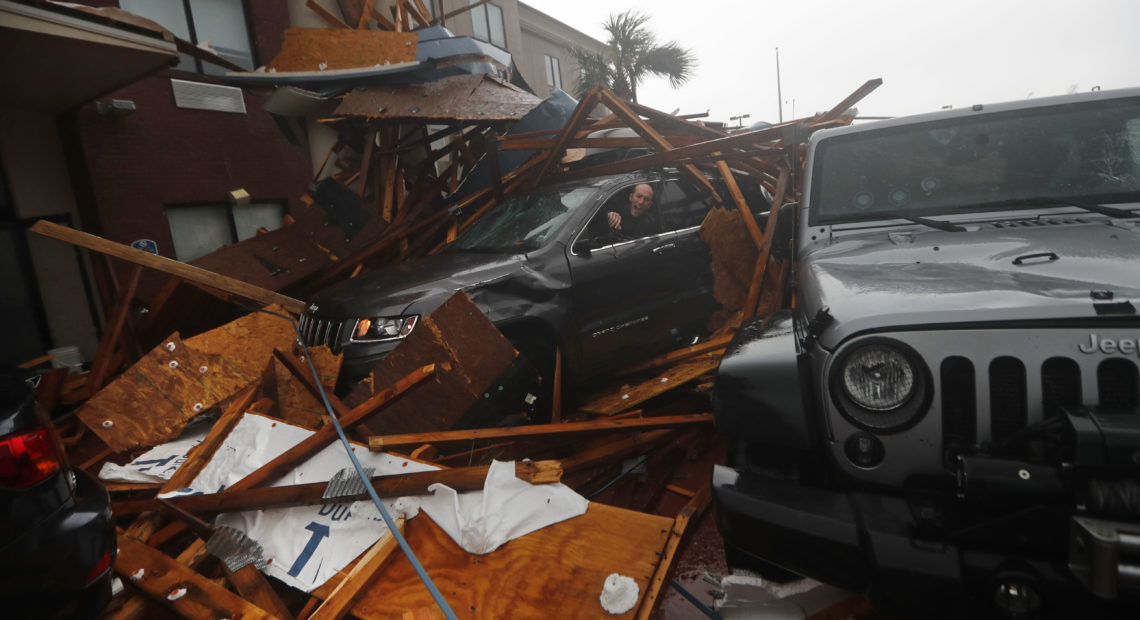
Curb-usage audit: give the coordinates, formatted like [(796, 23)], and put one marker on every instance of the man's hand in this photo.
[(614, 220)]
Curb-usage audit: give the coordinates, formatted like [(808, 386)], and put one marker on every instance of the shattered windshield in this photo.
[(1084, 151), (523, 223)]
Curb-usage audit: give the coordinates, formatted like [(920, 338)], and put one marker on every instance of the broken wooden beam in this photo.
[(460, 479), (189, 273), (462, 437)]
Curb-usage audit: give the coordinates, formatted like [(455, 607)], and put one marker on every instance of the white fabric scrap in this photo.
[(303, 545), (619, 594), (506, 508), (158, 464)]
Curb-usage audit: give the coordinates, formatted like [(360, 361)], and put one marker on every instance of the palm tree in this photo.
[(631, 54)]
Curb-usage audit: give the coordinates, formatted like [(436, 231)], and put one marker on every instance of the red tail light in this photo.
[(27, 458), (100, 567)]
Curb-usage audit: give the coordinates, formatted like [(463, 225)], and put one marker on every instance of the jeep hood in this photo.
[(908, 276), (415, 286)]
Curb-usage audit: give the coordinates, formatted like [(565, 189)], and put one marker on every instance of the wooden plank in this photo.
[(307, 49), (327, 434), (688, 515), (447, 438), (866, 89), (410, 9), (460, 479), (556, 390), (252, 585), (114, 329), (383, 22), (585, 105), (619, 107), (366, 160), (741, 205), (345, 594), (365, 14), (557, 571), (189, 273), (680, 354), (766, 247), (137, 607), (174, 586), (625, 398), (325, 14)]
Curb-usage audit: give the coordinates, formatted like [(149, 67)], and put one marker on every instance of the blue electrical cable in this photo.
[(424, 577)]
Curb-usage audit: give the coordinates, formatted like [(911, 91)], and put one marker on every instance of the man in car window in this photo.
[(634, 220)]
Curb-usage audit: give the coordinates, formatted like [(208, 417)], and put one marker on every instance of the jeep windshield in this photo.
[(1077, 154), (524, 223)]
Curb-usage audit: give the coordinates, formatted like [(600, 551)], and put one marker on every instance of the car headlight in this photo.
[(381, 328), (880, 385), (878, 377)]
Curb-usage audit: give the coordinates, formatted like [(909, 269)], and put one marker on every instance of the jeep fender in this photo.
[(760, 386)]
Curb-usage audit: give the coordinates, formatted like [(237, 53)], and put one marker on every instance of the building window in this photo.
[(487, 22), (199, 229), (553, 72), (219, 23)]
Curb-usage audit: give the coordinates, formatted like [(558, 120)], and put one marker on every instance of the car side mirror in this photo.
[(584, 247), (785, 231)]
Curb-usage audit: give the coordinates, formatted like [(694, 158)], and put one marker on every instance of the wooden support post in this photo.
[(688, 515), (365, 14), (189, 273), (100, 367), (766, 249), (366, 160), (556, 391)]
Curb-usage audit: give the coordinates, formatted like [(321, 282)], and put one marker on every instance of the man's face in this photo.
[(640, 200)]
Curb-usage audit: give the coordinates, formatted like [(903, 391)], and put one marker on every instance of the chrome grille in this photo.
[(317, 331)]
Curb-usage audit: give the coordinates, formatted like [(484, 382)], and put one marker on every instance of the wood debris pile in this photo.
[(403, 189)]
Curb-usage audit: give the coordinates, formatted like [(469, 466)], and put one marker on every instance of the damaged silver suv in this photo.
[(949, 419)]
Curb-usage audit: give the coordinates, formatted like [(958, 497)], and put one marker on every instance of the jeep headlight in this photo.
[(880, 385), (381, 328), (877, 377)]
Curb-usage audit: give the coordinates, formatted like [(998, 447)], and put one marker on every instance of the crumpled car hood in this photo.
[(394, 289), (892, 278)]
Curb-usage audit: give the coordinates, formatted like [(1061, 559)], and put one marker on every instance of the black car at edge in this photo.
[(57, 539)]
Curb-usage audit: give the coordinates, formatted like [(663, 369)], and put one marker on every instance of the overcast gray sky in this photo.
[(929, 54)]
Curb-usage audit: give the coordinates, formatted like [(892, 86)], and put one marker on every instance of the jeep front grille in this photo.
[(1009, 398), (317, 331)]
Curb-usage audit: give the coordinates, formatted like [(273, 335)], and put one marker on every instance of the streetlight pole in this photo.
[(779, 92)]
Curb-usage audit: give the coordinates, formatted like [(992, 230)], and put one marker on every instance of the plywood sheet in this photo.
[(322, 49), (469, 354), (556, 572), (151, 402)]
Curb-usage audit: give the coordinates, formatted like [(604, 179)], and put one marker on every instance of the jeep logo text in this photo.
[(1108, 345)]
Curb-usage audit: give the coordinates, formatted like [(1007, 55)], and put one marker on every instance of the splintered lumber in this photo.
[(153, 400), (189, 273), (469, 354), (557, 571), (174, 586), (759, 279), (340, 601), (460, 479), (688, 515), (327, 434), (627, 397), (680, 354), (322, 49), (445, 438)]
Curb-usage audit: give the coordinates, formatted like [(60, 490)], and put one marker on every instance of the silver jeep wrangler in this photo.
[(949, 419)]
